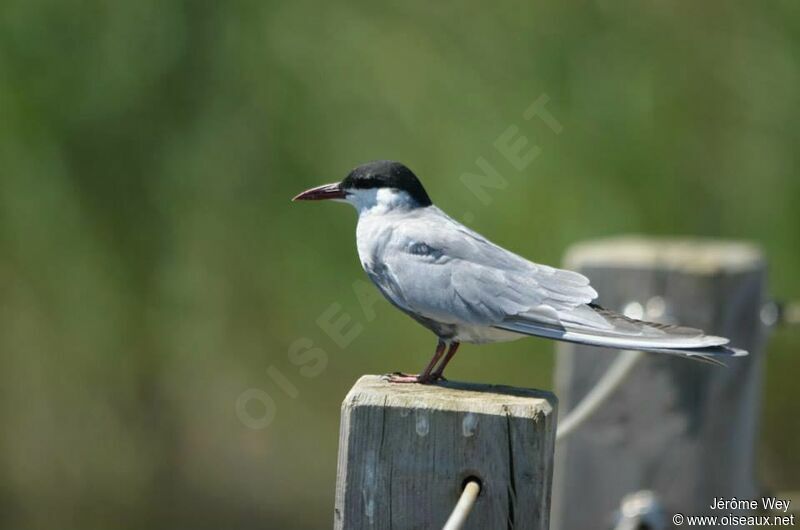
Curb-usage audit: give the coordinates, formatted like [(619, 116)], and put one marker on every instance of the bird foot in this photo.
[(400, 377)]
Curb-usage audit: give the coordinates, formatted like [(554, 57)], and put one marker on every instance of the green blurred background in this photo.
[(152, 268)]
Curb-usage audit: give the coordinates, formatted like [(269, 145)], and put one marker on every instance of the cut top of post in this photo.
[(452, 396), (693, 255)]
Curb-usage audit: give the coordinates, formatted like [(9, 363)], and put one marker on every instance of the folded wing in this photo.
[(451, 274)]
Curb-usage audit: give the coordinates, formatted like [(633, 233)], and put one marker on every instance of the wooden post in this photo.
[(405, 452), (684, 430)]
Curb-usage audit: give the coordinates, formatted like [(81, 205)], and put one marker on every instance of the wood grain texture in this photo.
[(405, 450), (683, 429)]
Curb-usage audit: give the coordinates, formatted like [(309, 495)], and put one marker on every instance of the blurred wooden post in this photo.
[(406, 450), (684, 430)]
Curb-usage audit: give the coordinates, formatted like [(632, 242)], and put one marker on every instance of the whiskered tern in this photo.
[(465, 288)]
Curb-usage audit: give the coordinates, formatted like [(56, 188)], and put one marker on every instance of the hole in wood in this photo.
[(472, 478)]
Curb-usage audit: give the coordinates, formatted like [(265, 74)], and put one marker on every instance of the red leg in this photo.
[(439, 373), (425, 376)]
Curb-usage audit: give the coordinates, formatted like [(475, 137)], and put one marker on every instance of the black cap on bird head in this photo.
[(387, 174)]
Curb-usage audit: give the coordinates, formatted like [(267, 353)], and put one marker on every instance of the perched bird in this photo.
[(465, 288)]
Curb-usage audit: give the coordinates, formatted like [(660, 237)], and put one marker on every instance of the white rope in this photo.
[(611, 380), (464, 506)]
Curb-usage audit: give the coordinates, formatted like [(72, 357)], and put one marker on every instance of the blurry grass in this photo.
[(152, 268)]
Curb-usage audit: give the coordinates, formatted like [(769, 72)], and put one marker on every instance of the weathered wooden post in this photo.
[(405, 452), (683, 431)]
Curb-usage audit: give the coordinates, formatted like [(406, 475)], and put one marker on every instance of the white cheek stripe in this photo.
[(381, 200)]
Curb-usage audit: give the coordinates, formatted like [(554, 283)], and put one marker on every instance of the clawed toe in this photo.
[(401, 377)]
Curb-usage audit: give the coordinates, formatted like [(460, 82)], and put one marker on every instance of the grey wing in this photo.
[(446, 272), (451, 274)]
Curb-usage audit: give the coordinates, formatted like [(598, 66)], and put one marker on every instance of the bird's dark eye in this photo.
[(368, 182)]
